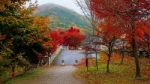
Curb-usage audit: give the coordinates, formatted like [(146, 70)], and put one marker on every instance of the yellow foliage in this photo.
[(41, 23)]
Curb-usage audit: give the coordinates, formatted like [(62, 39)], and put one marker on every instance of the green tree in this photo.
[(20, 36)]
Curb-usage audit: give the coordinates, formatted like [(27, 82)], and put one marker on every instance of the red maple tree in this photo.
[(128, 12), (73, 37), (56, 38), (110, 31)]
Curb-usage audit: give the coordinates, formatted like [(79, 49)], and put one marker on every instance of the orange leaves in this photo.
[(131, 9), (106, 8), (109, 29), (116, 58), (142, 33), (47, 44), (97, 6), (41, 23), (141, 29), (119, 15)]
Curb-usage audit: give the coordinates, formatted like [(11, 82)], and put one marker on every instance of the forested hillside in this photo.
[(61, 16)]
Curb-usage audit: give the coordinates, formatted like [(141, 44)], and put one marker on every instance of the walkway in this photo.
[(58, 74)]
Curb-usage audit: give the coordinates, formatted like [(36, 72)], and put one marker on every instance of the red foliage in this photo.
[(128, 12), (56, 38), (109, 29), (124, 8), (72, 37), (142, 33)]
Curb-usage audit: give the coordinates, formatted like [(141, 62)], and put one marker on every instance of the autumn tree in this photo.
[(130, 11), (143, 35), (73, 37), (110, 31), (14, 21), (56, 38), (18, 35), (93, 22), (43, 40), (88, 13)]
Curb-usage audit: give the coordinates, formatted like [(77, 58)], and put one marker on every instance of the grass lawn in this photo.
[(26, 76), (120, 73)]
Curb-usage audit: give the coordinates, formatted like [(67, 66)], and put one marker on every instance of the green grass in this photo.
[(119, 74), (102, 68), (148, 64), (26, 76)]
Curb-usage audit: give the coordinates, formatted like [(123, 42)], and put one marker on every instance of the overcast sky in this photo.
[(71, 4)]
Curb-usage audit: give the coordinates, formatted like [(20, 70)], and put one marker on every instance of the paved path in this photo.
[(54, 75), (57, 74)]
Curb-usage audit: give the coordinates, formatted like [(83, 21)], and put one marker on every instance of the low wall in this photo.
[(55, 54)]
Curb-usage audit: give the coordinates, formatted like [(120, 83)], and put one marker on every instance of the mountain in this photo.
[(61, 16)]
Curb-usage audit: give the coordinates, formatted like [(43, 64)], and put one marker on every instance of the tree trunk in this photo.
[(13, 71), (122, 53), (96, 58), (134, 52), (148, 49), (96, 61), (86, 61), (109, 56), (122, 58), (108, 62), (1, 81)]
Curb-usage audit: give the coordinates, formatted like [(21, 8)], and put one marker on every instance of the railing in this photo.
[(54, 55)]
